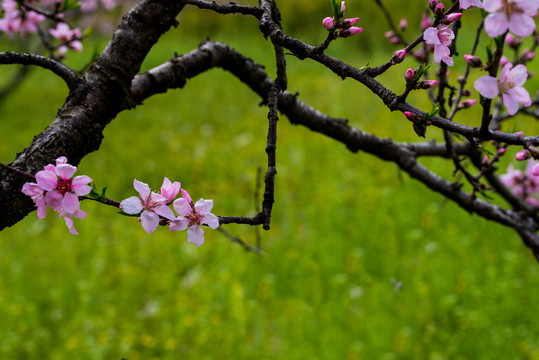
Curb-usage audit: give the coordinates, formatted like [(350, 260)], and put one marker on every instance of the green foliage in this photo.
[(346, 229)]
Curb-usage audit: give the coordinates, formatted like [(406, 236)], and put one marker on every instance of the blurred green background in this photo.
[(361, 262)]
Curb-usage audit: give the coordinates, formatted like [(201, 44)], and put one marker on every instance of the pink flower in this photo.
[(524, 185), (62, 189), (169, 190), (522, 155), (509, 85), (150, 204), (68, 38), (57, 188), (399, 55), (37, 194), (441, 39), (513, 15), (464, 4), (192, 216)]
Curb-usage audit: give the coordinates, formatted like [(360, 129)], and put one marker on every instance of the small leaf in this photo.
[(336, 9), (485, 151), (433, 111), (93, 193), (460, 137), (103, 192), (70, 5), (86, 32), (364, 67), (420, 71)]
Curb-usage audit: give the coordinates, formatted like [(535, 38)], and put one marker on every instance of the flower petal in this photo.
[(510, 104), (178, 224), (142, 188), (31, 189), (487, 86), (70, 225), (132, 205), (149, 220), (521, 24), (496, 24), (211, 220), (203, 207), (41, 207), (54, 199), (195, 235), (165, 212), (186, 196), (182, 207), (46, 179), (517, 75), (431, 36), (79, 185), (70, 203), (65, 171)]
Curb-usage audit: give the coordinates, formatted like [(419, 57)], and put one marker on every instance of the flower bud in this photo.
[(535, 170), (328, 23), (426, 22), (501, 151), (467, 103), (433, 4), (439, 10), (410, 116), (474, 61), (343, 7), (349, 22), (398, 56), (519, 133), (451, 18), (522, 155), (389, 34), (403, 24), (427, 84), (512, 41), (527, 55), (410, 74), (350, 31), (503, 61)]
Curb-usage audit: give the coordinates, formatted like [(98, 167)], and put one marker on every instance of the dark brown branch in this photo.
[(56, 67), (223, 9)]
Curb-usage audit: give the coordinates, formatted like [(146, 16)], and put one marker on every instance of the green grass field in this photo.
[(345, 228)]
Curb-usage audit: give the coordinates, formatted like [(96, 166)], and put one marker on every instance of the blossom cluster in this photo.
[(153, 206), (525, 184), (56, 187)]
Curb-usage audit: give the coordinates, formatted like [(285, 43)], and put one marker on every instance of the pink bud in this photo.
[(410, 74), (409, 115), (399, 55), (485, 160), (535, 170), (403, 24), (528, 55), (522, 155), (451, 18), (355, 30), (426, 22), (474, 61), (512, 41), (503, 61), (350, 22), (394, 40), (439, 9), (468, 103), (519, 133), (389, 34), (328, 23), (502, 151), (343, 7)]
